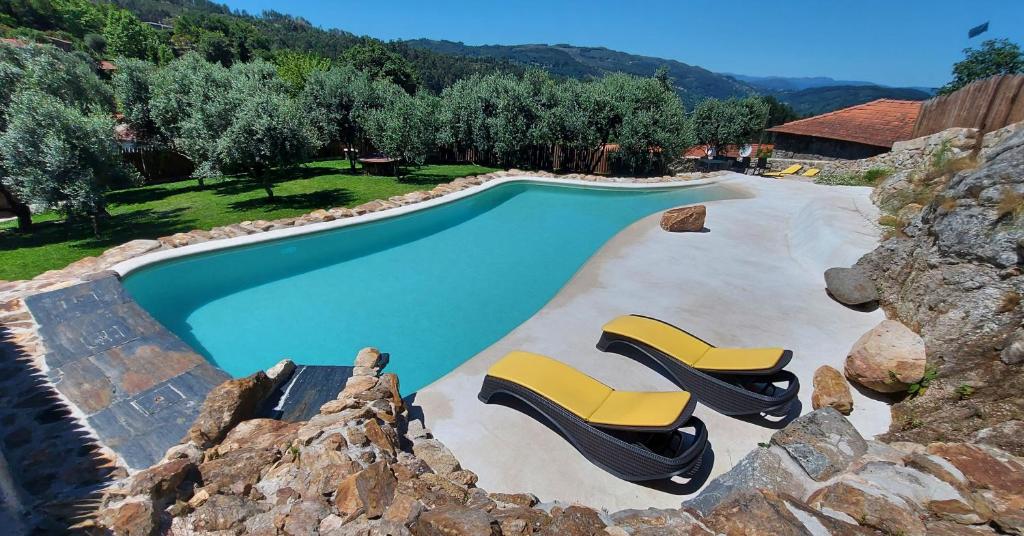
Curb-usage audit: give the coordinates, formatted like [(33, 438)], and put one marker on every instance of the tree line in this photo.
[(260, 119)]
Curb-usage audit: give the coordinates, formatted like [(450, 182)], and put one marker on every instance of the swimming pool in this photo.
[(432, 287)]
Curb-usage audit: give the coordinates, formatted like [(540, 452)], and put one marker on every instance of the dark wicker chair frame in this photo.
[(735, 393), (633, 454)]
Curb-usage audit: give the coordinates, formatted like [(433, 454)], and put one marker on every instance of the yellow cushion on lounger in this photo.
[(670, 340), (625, 408), (738, 359), (586, 397), (811, 172), (556, 381), (681, 345), (788, 171)]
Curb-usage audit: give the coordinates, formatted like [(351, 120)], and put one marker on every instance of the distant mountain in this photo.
[(797, 83), (818, 100), (789, 83), (807, 95), (692, 83)]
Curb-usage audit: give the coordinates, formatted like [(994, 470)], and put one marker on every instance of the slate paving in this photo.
[(139, 385), (308, 388)]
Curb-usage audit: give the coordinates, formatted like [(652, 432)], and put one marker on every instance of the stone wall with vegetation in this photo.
[(951, 270), (905, 155)]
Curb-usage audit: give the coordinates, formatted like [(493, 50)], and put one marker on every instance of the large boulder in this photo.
[(850, 286), (887, 359), (831, 390), (823, 442), (228, 404), (684, 219)]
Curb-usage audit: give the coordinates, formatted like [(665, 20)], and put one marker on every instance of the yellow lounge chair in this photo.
[(788, 171), (811, 172), (633, 435), (733, 381)]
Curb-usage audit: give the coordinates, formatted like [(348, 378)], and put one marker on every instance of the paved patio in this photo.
[(755, 278)]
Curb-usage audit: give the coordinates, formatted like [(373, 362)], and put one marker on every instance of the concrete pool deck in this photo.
[(755, 278)]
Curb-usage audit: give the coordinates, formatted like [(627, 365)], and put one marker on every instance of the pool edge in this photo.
[(126, 267)]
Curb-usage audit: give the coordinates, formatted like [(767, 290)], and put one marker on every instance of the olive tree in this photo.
[(191, 105), (44, 75), (58, 156), (132, 84), (270, 132), (398, 124), (650, 122), (331, 97), (722, 122)]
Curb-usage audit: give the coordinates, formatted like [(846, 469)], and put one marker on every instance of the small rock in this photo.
[(161, 482), (521, 521), (765, 512), (823, 442), (368, 358), (850, 286), (134, 518), (456, 520), (227, 405), (369, 492), (514, 499), (831, 390), (437, 456), (1014, 352), (574, 521), (684, 219), (887, 359)]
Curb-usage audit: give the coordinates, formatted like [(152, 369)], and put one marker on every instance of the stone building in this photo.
[(856, 132)]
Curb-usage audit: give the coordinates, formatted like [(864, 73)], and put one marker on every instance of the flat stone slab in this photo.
[(308, 388), (139, 386)]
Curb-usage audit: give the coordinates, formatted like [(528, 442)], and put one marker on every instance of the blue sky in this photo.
[(894, 42)]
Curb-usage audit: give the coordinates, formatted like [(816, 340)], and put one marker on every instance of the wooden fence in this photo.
[(986, 105)]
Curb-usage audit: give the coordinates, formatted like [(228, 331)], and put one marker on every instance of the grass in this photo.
[(165, 209)]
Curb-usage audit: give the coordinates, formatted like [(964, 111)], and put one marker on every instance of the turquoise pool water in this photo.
[(432, 288)]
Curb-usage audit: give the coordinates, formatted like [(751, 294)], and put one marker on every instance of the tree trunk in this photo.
[(21, 210), (352, 158), (268, 187), (202, 184)]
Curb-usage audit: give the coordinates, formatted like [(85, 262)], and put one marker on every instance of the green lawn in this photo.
[(165, 209)]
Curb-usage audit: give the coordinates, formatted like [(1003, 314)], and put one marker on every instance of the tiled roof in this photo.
[(879, 123)]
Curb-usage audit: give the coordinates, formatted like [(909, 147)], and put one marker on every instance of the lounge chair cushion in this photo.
[(739, 359), (690, 350), (660, 335), (788, 171), (586, 397), (811, 172)]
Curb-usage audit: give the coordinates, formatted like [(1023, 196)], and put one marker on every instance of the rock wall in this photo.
[(952, 272), (360, 467)]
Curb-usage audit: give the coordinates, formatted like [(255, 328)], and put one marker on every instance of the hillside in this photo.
[(818, 100), (794, 83), (692, 83)]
